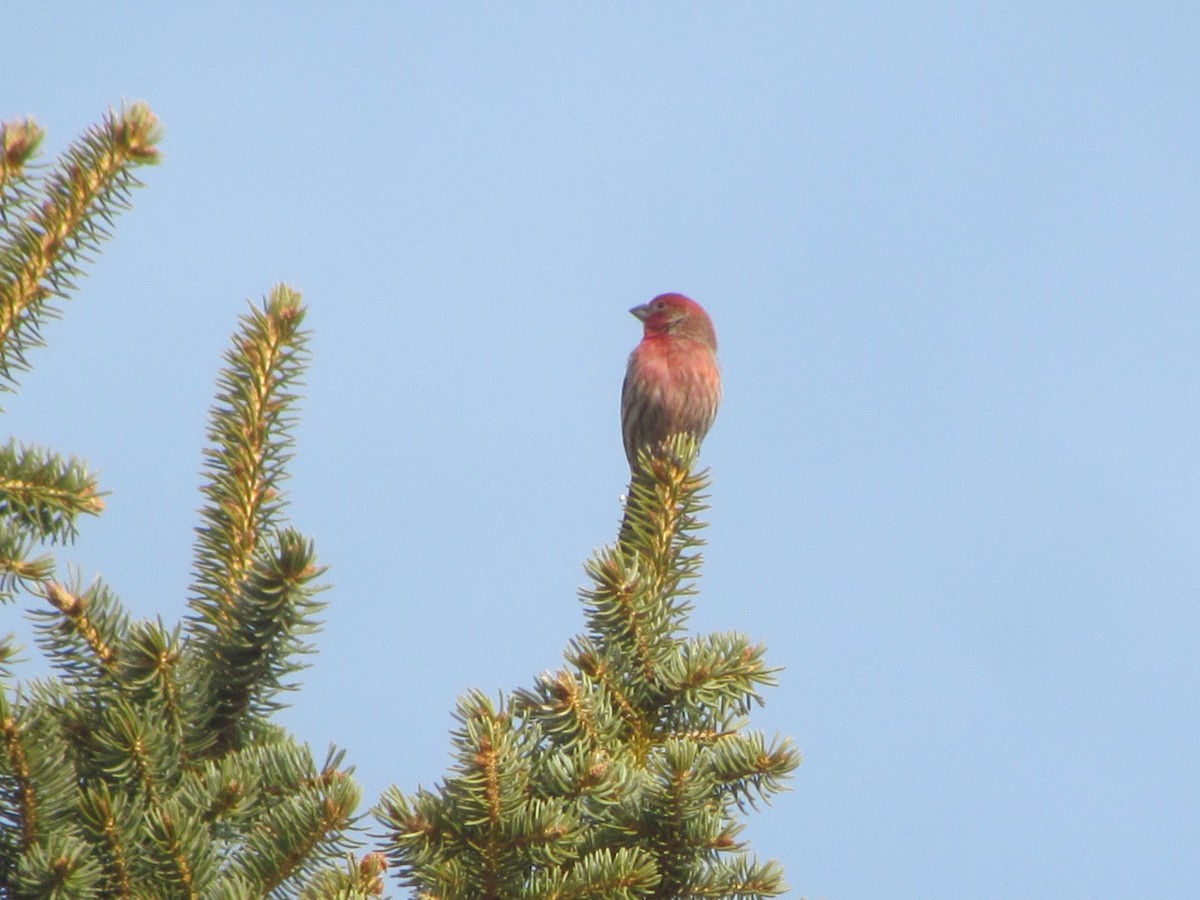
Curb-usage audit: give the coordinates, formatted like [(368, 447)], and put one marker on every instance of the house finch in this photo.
[(673, 383)]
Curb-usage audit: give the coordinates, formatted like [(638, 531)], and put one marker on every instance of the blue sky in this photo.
[(951, 254)]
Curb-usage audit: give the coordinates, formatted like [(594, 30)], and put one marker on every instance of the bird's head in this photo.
[(678, 316)]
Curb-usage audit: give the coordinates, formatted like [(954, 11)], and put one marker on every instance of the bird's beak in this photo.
[(642, 312)]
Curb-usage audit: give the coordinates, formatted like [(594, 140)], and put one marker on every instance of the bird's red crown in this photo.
[(675, 314)]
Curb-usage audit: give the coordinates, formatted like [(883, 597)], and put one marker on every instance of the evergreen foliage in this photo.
[(148, 766), (620, 775)]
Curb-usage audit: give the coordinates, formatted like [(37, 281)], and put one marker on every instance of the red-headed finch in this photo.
[(672, 383)]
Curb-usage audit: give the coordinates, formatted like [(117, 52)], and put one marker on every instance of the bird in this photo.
[(672, 381)]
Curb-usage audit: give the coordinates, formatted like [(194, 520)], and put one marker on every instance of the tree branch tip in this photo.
[(137, 130), (63, 600), (21, 139)]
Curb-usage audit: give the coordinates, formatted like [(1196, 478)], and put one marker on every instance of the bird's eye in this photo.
[(658, 305)]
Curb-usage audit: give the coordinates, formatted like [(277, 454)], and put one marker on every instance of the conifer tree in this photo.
[(622, 774), (147, 764)]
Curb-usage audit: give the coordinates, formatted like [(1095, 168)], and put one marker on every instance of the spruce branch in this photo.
[(750, 770), (20, 806), (639, 601), (43, 495), (9, 648), (45, 244), (621, 774), (303, 826), (482, 832), (83, 632), (248, 659), (20, 140), (175, 846), (253, 594), (610, 681), (719, 673), (745, 879), (148, 766), (131, 747), (575, 708), (250, 431), (62, 866), (18, 566), (74, 609), (149, 669), (109, 821), (625, 874), (355, 879), (37, 785)]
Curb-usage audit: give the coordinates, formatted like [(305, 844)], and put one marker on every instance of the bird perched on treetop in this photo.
[(672, 383)]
